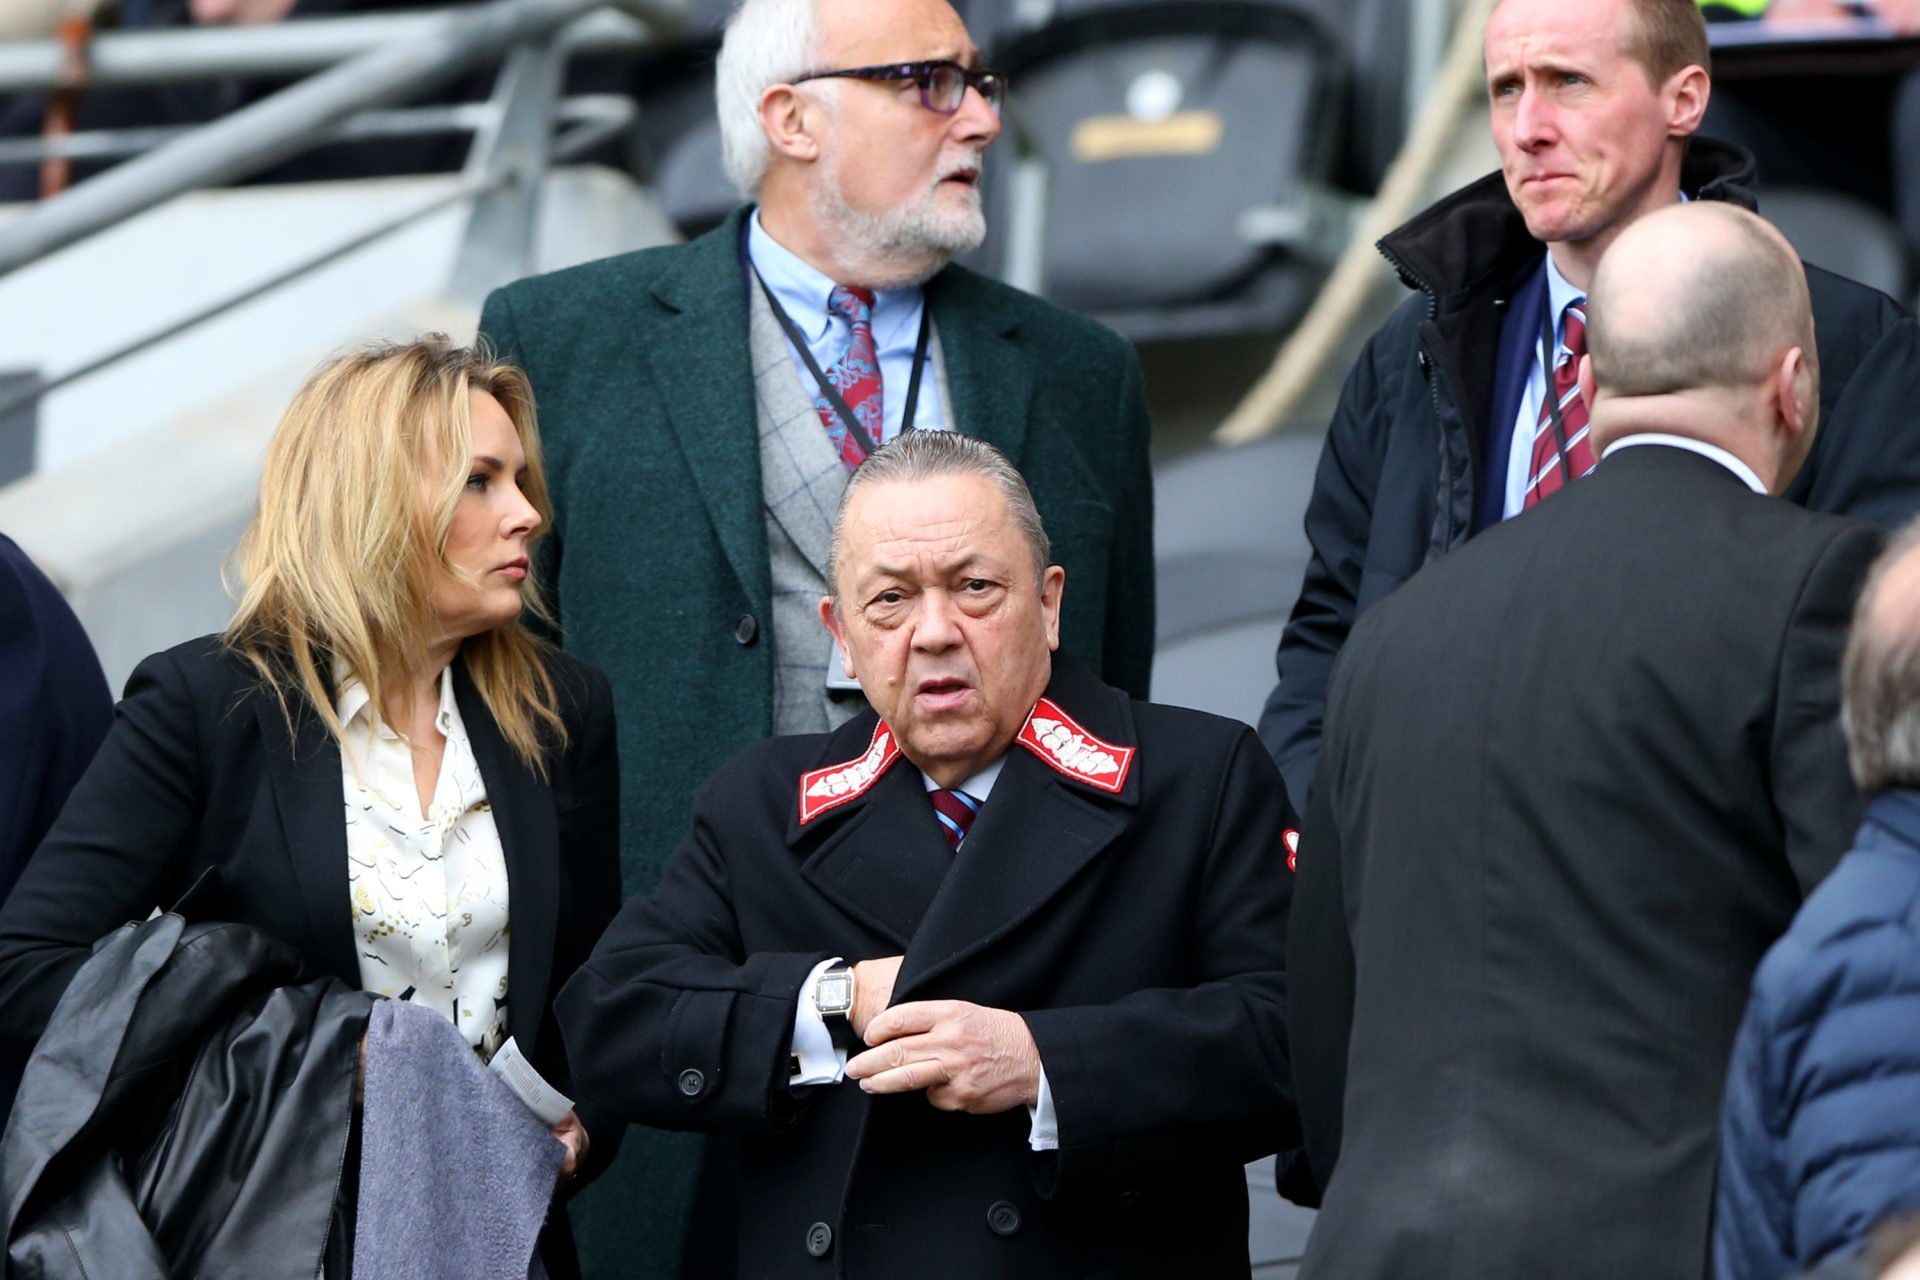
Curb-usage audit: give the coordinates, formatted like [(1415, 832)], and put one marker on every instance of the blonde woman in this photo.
[(380, 764)]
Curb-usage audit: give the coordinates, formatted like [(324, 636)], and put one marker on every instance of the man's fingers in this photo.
[(914, 1076), (894, 1053), (909, 1019)]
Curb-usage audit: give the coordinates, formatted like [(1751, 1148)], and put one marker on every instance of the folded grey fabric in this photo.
[(455, 1173)]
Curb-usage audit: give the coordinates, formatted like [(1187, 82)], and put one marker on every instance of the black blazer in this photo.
[(1139, 933), (1577, 777), (199, 772)]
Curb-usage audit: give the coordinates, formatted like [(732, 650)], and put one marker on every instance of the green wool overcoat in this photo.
[(657, 559)]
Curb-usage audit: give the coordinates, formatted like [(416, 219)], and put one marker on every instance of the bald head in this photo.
[(1695, 296), (1880, 700)]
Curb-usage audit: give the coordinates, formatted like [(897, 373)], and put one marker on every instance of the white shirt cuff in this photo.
[(1044, 1135), (818, 1061)]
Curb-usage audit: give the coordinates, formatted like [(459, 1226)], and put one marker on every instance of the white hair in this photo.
[(767, 42)]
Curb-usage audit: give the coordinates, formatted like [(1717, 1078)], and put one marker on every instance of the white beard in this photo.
[(903, 246)]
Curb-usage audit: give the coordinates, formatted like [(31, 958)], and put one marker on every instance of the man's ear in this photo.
[(1793, 391), (1686, 95), (1586, 383), (831, 620), (1053, 585), (791, 121)]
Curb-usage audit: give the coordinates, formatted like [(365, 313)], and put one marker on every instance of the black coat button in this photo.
[(1128, 1199), (692, 1082), (1002, 1218), (819, 1240), (746, 629)]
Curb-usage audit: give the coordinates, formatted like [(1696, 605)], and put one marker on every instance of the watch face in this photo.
[(834, 992)]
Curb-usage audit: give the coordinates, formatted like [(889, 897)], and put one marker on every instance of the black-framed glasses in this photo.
[(942, 83)]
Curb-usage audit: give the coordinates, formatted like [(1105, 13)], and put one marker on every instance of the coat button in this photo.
[(819, 1240), (746, 629), (1128, 1199), (692, 1082), (1002, 1218)]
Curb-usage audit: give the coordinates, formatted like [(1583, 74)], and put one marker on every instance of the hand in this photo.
[(574, 1134), (239, 11), (966, 1056), (872, 991)]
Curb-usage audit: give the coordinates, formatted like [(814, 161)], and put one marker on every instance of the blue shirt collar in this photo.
[(803, 290)]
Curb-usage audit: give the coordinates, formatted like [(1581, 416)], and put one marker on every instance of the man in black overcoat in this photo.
[(1577, 777), (990, 978)]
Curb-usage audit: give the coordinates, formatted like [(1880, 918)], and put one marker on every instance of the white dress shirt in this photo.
[(429, 891), (802, 292), (820, 1062), (1746, 473), (1560, 296)]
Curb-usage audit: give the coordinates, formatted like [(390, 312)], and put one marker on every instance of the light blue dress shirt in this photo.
[(802, 292)]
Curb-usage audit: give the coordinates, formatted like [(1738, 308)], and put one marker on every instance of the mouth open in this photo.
[(963, 177), (942, 693)]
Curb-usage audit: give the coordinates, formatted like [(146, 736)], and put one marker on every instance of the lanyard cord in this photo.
[(831, 392)]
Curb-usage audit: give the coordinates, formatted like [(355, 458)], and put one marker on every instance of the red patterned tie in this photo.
[(956, 810), (856, 377), (1547, 474)]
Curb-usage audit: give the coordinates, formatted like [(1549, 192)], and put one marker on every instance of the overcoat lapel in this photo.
[(883, 858), (1033, 836), (307, 788), (700, 356), (991, 376), (530, 839)]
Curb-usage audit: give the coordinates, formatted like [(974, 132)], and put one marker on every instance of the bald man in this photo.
[(1518, 968)]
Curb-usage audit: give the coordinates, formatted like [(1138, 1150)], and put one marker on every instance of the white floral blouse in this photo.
[(429, 891)]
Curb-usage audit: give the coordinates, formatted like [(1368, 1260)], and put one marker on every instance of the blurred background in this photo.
[(201, 199)]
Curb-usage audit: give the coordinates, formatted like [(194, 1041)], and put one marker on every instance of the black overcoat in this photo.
[(1578, 775), (1140, 933)]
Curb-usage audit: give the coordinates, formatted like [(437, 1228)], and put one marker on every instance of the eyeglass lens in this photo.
[(947, 87)]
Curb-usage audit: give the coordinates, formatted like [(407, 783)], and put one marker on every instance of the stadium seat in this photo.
[(1843, 234), (1229, 554), (1188, 150)]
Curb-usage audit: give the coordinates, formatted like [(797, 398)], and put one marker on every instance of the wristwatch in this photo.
[(833, 1000)]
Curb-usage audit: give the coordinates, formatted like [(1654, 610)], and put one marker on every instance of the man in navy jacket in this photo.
[(1594, 110), (54, 707), (1821, 1132)]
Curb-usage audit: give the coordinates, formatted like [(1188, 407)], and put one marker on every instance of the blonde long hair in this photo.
[(342, 556)]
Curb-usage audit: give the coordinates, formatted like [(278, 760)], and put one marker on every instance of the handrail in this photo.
[(282, 49), (292, 120), (598, 124)]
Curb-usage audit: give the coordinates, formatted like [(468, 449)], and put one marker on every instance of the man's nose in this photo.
[(1533, 120), (975, 123), (937, 628)]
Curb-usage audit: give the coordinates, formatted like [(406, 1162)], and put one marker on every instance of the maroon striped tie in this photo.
[(956, 811), (1547, 474)]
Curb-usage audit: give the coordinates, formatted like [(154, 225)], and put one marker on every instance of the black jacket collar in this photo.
[(882, 859), (1475, 238)]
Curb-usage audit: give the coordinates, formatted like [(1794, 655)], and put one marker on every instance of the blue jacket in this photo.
[(1820, 1134), (54, 709)]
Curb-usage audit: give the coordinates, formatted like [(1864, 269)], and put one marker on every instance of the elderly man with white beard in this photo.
[(702, 406)]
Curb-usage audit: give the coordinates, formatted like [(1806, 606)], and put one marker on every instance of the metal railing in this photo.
[(360, 68)]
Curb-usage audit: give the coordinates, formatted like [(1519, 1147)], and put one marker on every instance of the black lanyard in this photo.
[(1550, 351), (831, 392)]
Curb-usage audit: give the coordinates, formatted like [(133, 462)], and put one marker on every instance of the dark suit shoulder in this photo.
[(581, 686), (604, 280), (1076, 335), (1849, 317)]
